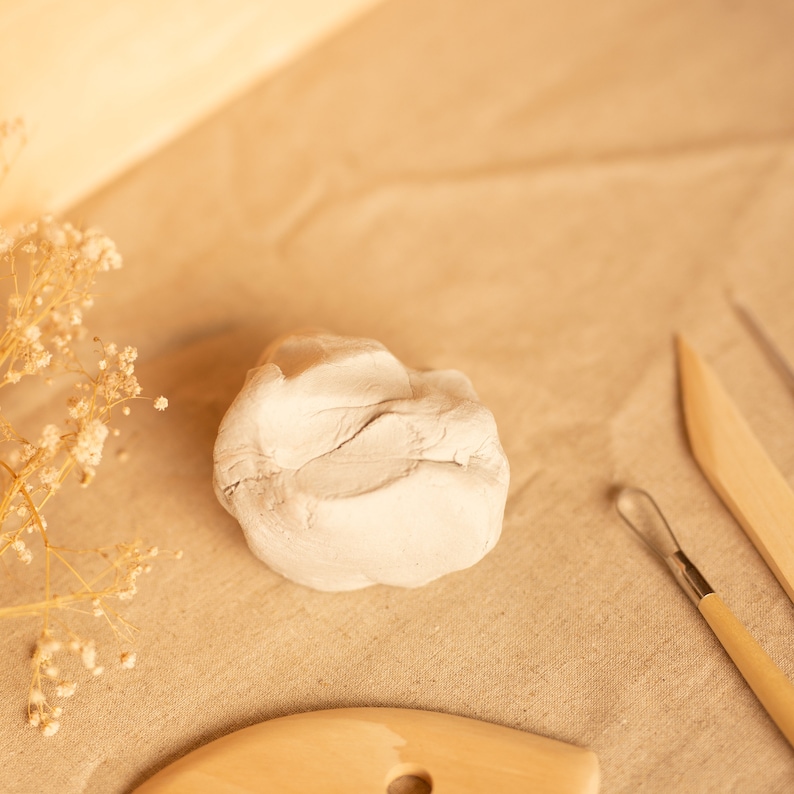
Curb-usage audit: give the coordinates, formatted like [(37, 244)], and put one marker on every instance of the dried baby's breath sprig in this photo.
[(49, 271)]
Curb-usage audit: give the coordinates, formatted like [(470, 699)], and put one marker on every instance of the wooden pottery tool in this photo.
[(380, 751), (737, 466), (766, 679)]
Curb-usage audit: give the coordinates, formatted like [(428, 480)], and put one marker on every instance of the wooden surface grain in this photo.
[(100, 86)]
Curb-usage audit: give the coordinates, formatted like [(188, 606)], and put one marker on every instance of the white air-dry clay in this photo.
[(346, 469)]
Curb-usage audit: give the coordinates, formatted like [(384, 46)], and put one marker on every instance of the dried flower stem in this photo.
[(51, 268)]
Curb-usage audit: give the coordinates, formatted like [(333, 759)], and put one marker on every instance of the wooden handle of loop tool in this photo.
[(765, 678)]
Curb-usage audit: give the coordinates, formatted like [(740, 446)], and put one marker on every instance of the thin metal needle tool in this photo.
[(770, 685), (765, 341)]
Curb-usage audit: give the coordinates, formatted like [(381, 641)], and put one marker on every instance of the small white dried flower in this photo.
[(32, 333), (74, 236), (87, 450), (23, 553), (6, 241), (161, 403), (91, 248), (46, 646), (38, 358), (88, 654), (37, 697), (65, 689), (48, 475), (50, 438), (79, 408), (113, 260), (128, 659), (131, 386), (34, 719), (128, 355), (50, 727), (127, 593), (27, 452), (61, 342)]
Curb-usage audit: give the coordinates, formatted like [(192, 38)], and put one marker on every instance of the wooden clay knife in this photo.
[(737, 466)]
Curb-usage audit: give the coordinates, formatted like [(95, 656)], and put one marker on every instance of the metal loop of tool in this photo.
[(643, 516)]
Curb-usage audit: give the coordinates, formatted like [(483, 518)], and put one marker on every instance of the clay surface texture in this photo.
[(347, 469)]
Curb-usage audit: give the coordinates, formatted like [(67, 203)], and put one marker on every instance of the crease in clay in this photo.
[(346, 469)]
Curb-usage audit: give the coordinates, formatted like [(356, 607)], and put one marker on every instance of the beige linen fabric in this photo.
[(538, 194)]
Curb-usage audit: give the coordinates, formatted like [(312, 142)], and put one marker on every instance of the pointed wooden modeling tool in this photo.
[(737, 466), (380, 751)]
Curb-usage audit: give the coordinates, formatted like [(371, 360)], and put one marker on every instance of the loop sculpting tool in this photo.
[(765, 678)]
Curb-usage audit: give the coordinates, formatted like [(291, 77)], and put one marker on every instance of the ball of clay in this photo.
[(346, 469)]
